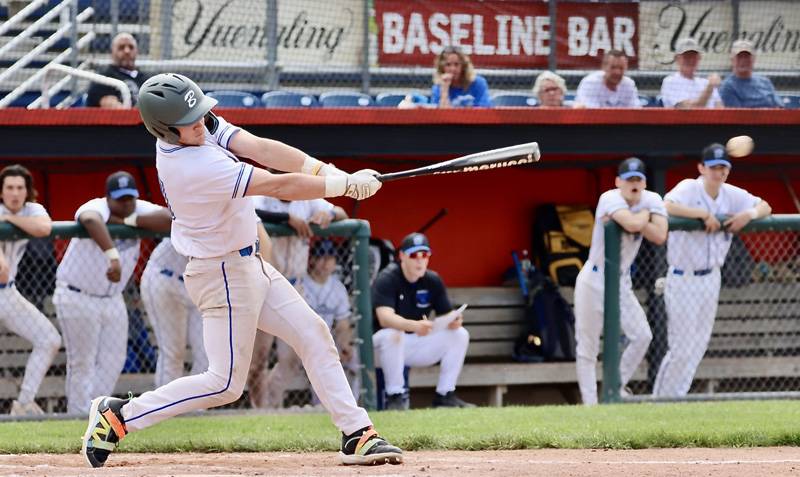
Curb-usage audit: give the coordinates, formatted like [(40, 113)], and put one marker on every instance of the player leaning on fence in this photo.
[(640, 213), (16, 313), (695, 259)]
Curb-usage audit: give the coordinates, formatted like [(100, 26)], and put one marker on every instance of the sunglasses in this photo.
[(419, 254)]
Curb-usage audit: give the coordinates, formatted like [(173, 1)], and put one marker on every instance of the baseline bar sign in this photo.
[(504, 34)]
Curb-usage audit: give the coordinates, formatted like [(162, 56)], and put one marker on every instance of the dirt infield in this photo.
[(548, 462)]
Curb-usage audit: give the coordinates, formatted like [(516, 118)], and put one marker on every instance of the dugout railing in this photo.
[(755, 342), (36, 280)]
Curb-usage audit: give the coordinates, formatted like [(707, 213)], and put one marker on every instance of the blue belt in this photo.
[(170, 273), (247, 251), (78, 290), (697, 273), (7, 285)]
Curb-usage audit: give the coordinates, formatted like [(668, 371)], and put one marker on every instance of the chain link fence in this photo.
[(380, 51), (722, 333), (68, 335)]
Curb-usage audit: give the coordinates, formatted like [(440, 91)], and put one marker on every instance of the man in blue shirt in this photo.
[(743, 89)]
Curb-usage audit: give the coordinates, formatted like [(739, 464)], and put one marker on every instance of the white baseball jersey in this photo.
[(699, 250), (290, 254), (593, 93), (677, 88), (610, 202), (84, 265), (165, 257), (13, 250), (205, 188), (328, 299)]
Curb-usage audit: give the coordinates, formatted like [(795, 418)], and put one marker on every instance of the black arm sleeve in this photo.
[(273, 217)]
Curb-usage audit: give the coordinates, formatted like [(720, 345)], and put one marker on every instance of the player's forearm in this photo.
[(280, 156), (389, 319), (292, 186), (679, 210), (98, 232), (630, 222), (34, 226), (343, 332), (655, 231), (159, 221), (763, 209)]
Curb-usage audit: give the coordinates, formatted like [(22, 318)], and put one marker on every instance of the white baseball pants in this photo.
[(175, 320), (691, 303), (96, 342), (589, 298), (237, 295), (25, 320), (395, 349)]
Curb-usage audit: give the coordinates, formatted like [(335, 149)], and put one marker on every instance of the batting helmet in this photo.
[(169, 100)]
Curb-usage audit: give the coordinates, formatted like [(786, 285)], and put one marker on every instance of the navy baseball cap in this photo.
[(715, 155), (631, 167), (323, 248), (415, 242), (120, 184)]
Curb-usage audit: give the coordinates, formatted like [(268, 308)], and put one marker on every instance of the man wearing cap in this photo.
[(405, 296), (743, 89), (89, 283), (640, 213), (695, 258), (683, 89)]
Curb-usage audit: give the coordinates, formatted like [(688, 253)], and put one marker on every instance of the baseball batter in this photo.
[(172, 314), (17, 314), (89, 282), (206, 188), (640, 213), (692, 286)]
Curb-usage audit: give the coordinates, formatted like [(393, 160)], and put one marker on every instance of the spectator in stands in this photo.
[(123, 57), (691, 291), (290, 257), (405, 295), (683, 89), (17, 314), (608, 88), (90, 280), (550, 88), (743, 89), (455, 83), (327, 295)]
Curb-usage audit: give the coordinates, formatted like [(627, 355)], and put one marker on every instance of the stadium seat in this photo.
[(791, 101), (389, 100), (234, 99), (345, 100), (288, 99), (513, 99)]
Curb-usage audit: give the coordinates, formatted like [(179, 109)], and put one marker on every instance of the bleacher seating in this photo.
[(235, 99), (345, 100), (288, 99), (513, 100), (389, 100)]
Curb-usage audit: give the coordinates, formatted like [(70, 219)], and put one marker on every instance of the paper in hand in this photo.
[(441, 322)]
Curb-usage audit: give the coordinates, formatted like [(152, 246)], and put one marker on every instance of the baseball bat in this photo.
[(518, 155)]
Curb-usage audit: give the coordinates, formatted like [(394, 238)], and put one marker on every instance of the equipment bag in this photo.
[(561, 238)]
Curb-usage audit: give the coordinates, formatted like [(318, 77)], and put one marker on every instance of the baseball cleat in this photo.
[(106, 428), (366, 447), (450, 400)]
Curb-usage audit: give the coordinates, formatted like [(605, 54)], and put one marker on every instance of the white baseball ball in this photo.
[(739, 146)]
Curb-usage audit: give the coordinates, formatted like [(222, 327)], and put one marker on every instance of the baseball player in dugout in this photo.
[(89, 283), (693, 278), (206, 188), (19, 316), (290, 256), (641, 214), (405, 295)]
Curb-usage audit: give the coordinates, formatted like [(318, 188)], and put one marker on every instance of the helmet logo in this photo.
[(190, 99)]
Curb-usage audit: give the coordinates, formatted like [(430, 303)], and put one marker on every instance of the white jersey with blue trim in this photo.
[(84, 264), (699, 250), (13, 250), (610, 202), (329, 299), (204, 187)]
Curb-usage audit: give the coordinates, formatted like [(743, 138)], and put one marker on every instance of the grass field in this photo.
[(632, 426)]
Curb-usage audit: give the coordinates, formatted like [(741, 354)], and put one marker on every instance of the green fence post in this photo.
[(611, 327), (364, 308)]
